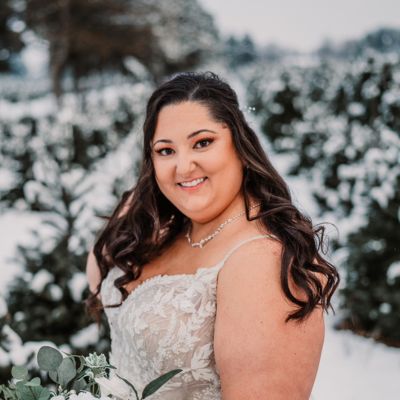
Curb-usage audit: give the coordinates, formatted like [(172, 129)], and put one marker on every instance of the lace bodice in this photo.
[(167, 322)]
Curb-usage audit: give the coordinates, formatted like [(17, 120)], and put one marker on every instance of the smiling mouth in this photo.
[(192, 184)]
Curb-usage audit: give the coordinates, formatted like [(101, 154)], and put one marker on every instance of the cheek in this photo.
[(163, 175), (228, 164)]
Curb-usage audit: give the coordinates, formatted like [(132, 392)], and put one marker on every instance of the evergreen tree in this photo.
[(277, 105), (77, 168), (347, 144), (10, 38), (88, 37), (240, 51)]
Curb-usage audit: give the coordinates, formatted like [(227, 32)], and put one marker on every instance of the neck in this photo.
[(200, 230)]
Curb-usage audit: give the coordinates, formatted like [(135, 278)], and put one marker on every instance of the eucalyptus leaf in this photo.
[(19, 372), (33, 382), (7, 393), (66, 371), (24, 392), (48, 358), (54, 376), (41, 393), (80, 385), (45, 394), (154, 385)]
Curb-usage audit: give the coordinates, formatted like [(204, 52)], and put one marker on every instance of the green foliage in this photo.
[(49, 359), (240, 51), (70, 373), (154, 385)]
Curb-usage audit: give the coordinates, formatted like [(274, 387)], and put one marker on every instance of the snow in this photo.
[(40, 280), (3, 307), (86, 336), (393, 271), (15, 229), (56, 292), (77, 285), (354, 368)]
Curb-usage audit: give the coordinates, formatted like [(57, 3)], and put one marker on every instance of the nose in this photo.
[(185, 165)]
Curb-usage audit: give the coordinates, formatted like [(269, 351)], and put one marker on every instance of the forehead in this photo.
[(183, 118)]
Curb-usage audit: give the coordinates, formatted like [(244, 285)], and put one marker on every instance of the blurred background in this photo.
[(318, 81)]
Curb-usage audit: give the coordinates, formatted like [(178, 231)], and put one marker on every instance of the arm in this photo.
[(92, 272), (92, 269), (257, 354)]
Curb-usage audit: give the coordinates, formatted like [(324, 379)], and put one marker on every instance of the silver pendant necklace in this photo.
[(205, 240)]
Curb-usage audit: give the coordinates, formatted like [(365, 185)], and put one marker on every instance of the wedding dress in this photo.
[(167, 322)]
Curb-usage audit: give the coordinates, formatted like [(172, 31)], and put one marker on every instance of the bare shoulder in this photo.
[(257, 256), (254, 346)]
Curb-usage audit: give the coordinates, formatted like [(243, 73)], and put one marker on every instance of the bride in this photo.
[(205, 264)]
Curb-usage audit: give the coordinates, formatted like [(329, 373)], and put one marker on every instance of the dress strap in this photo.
[(246, 241)]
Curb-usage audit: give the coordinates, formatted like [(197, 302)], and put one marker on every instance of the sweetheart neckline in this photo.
[(160, 277), (166, 276)]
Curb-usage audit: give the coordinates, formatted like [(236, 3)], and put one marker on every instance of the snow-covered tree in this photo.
[(10, 35), (239, 51), (87, 37), (77, 166), (345, 138)]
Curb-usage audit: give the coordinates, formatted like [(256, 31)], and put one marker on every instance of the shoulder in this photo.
[(253, 343), (254, 255), (254, 264)]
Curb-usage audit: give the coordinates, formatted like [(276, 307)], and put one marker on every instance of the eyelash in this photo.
[(199, 141)]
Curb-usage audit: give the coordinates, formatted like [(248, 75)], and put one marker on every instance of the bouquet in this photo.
[(75, 377)]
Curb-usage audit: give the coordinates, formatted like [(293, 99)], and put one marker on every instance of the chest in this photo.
[(180, 259)]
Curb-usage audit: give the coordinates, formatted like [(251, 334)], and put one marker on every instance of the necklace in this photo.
[(205, 240)]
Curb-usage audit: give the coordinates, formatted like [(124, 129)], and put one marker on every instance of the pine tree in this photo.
[(10, 38), (73, 158), (240, 51), (347, 145), (88, 37)]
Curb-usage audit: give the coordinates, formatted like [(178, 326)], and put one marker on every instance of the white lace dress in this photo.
[(167, 322)]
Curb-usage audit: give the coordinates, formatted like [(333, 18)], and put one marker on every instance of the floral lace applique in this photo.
[(167, 322)]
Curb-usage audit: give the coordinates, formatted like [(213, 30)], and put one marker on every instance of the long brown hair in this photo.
[(151, 222)]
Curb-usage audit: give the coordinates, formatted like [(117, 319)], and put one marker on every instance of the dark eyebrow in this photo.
[(188, 137)]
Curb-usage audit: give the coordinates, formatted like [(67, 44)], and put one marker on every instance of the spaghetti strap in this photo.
[(246, 241)]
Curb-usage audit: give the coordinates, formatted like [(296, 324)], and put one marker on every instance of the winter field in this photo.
[(351, 367)]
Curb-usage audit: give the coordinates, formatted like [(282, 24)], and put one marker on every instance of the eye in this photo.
[(165, 151), (203, 143)]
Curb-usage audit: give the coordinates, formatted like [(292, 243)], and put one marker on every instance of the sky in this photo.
[(304, 24)]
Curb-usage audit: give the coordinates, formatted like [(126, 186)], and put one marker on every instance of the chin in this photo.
[(196, 213)]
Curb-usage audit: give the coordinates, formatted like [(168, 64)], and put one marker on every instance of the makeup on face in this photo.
[(195, 162)]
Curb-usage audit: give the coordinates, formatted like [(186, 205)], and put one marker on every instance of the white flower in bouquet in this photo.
[(114, 386), (86, 396)]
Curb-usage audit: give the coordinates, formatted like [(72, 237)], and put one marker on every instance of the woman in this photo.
[(206, 263)]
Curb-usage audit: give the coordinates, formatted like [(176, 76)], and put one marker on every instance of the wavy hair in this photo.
[(145, 222)]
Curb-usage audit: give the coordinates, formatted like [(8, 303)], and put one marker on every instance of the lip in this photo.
[(192, 188), (193, 179)]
